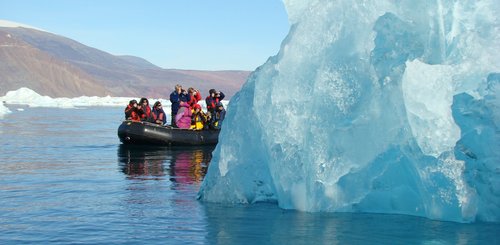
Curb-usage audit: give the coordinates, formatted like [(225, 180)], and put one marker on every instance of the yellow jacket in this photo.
[(198, 120)]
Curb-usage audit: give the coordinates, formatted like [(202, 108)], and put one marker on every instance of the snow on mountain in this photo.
[(6, 23)]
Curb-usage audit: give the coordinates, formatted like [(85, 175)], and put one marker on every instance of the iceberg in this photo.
[(3, 110), (371, 106), (30, 98), (26, 96)]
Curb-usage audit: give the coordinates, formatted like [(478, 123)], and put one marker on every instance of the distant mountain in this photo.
[(60, 67), (139, 62)]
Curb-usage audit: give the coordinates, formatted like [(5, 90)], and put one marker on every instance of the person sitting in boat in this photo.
[(195, 96), (132, 111), (199, 118), (140, 111), (212, 99), (146, 115), (157, 114), (218, 116), (183, 117), (130, 108), (179, 95)]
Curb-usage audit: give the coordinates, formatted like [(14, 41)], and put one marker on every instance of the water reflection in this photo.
[(266, 223), (186, 165)]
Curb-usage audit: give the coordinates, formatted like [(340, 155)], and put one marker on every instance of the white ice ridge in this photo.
[(26, 96), (371, 106)]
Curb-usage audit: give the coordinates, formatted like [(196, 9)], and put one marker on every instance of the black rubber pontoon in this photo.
[(144, 133)]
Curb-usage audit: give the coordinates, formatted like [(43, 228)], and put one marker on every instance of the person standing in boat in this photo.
[(212, 99), (176, 97), (157, 114), (183, 117), (146, 115), (195, 96)]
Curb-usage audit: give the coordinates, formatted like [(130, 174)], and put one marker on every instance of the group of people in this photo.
[(186, 112), (142, 112)]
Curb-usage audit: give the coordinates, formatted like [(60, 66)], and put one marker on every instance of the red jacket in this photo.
[(131, 114), (147, 113), (212, 101), (194, 99)]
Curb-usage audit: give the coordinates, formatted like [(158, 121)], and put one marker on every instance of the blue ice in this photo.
[(371, 106)]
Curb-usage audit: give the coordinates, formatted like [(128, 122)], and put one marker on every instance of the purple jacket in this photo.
[(183, 117)]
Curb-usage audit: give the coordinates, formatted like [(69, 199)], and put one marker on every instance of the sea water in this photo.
[(65, 178)]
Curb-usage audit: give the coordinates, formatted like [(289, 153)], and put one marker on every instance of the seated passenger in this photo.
[(128, 110), (132, 111), (218, 116), (146, 115), (183, 117), (199, 118), (157, 114)]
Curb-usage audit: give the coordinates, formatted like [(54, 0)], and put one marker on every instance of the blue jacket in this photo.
[(176, 98), (217, 118), (159, 113)]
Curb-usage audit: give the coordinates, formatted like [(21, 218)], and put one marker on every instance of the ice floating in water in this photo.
[(371, 106), (3, 110), (26, 96)]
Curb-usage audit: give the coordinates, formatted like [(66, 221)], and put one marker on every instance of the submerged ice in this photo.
[(371, 106)]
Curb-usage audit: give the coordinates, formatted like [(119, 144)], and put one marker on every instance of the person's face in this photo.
[(135, 105), (197, 110), (178, 89), (145, 103)]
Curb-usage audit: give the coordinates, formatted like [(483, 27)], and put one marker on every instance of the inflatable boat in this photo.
[(145, 133)]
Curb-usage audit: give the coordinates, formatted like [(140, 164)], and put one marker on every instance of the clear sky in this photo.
[(183, 34)]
